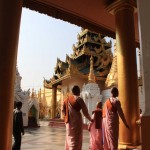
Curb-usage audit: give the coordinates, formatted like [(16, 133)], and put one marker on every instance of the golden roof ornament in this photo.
[(89, 43), (91, 77)]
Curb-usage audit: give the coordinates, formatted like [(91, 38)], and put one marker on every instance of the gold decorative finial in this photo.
[(91, 77)]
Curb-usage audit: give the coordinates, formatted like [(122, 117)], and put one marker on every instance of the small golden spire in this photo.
[(39, 94), (32, 94), (91, 77)]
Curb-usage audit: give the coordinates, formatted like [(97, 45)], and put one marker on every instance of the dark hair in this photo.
[(99, 105), (19, 104), (114, 92), (76, 90)]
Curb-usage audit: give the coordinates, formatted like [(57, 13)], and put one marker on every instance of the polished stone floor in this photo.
[(48, 138)]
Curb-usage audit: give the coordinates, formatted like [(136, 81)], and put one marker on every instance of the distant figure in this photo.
[(18, 129), (73, 118), (111, 112), (138, 122), (141, 113), (95, 129)]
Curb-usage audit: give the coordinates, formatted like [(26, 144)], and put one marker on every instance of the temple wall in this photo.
[(69, 83), (144, 30), (141, 99), (25, 112), (48, 95)]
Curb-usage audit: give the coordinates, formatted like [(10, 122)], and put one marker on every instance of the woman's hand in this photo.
[(89, 128)]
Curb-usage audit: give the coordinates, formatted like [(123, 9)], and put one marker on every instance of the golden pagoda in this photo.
[(112, 78)]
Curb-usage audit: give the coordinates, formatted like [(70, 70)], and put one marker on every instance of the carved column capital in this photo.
[(120, 5)]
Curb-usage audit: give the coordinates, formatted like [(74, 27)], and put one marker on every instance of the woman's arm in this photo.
[(121, 114), (90, 124), (84, 109), (64, 108)]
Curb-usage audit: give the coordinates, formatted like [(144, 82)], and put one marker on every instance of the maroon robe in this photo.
[(96, 142), (111, 112), (74, 125)]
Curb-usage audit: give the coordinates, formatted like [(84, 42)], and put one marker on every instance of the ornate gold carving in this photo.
[(72, 70), (70, 67), (74, 49), (98, 50), (104, 59), (103, 73)]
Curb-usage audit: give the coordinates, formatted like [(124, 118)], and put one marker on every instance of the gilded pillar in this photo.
[(127, 70), (10, 15), (54, 100)]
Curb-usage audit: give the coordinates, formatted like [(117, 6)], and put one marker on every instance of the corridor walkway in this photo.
[(48, 138)]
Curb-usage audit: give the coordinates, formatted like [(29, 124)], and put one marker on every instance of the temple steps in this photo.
[(60, 123)]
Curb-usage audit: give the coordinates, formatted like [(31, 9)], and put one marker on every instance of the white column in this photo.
[(144, 30)]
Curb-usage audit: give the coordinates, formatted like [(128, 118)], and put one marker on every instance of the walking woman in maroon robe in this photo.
[(73, 118), (111, 112), (95, 129)]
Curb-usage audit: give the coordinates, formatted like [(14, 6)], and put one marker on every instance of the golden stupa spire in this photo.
[(91, 77), (44, 90), (112, 78), (39, 95)]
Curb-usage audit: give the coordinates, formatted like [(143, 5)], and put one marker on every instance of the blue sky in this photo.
[(42, 39)]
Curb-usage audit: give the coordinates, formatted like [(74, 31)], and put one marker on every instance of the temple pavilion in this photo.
[(124, 20), (76, 68), (30, 102)]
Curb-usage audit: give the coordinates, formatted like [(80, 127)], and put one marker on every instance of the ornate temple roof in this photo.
[(88, 44)]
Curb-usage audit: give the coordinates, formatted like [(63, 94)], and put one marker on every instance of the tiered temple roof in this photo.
[(88, 44)]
